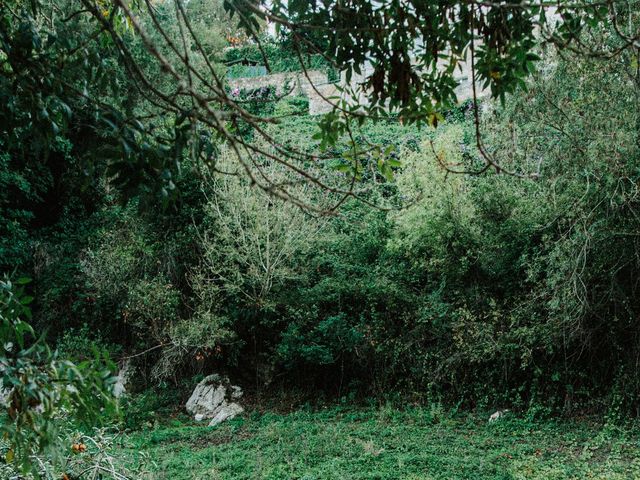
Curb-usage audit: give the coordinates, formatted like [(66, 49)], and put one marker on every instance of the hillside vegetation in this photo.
[(444, 259)]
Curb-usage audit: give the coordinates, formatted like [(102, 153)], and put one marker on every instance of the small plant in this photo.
[(77, 344), (83, 456)]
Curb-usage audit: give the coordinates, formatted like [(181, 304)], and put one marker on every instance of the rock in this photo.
[(122, 379), (5, 393), (213, 399), (226, 412), (497, 415), (236, 392)]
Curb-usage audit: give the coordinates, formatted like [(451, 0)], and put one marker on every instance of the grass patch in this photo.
[(387, 443)]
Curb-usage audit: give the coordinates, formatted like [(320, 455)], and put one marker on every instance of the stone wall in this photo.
[(318, 89), (297, 82), (314, 85)]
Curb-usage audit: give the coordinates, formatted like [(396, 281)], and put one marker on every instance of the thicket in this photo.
[(485, 289)]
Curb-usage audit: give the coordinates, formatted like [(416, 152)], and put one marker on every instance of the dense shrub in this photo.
[(482, 289)]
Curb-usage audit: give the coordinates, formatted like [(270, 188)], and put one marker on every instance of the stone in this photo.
[(213, 399), (497, 415), (226, 412), (236, 392), (5, 393)]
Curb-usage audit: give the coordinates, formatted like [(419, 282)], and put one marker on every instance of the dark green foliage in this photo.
[(489, 288), (40, 386), (259, 101), (123, 271), (316, 342), (147, 408), (465, 295), (481, 291)]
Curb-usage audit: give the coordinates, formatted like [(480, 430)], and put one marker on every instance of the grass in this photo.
[(418, 443)]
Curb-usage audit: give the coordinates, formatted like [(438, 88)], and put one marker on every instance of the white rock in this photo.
[(212, 399), (497, 415), (5, 393), (226, 412)]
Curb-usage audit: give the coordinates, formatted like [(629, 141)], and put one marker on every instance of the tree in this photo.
[(406, 54), (255, 237), (251, 245)]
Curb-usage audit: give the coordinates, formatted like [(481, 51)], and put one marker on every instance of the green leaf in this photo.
[(26, 300), (394, 162)]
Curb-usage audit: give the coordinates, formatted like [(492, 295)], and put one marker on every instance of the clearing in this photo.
[(387, 443)]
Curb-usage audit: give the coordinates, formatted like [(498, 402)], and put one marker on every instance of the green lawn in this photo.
[(387, 444)]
